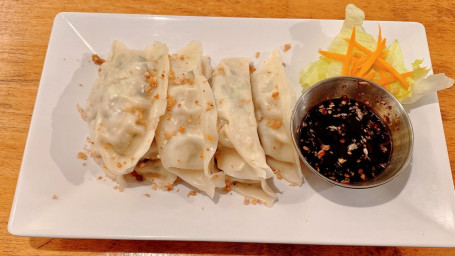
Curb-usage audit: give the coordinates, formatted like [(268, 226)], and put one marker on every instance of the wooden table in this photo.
[(25, 27)]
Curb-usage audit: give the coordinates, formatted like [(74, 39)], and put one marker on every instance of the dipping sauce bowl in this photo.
[(383, 103)]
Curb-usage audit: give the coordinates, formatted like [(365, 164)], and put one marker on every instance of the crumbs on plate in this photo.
[(286, 47), (191, 193), (82, 155), (81, 112)]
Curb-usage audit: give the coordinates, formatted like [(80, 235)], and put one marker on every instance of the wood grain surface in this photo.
[(24, 33)]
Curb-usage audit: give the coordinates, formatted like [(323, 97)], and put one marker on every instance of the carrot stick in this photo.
[(382, 73), (370, 75), (332, 55), (372, 58), (387, 87), (407, 74), (391, 79), (355, 69), (360, 47), (394, 72), (384, 53), (338, 56), (348, 54), (353, 66)]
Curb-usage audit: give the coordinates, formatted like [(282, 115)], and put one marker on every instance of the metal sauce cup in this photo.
[(386, 106)]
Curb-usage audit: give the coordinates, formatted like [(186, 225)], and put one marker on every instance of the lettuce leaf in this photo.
[(430, 84), (325, 67)]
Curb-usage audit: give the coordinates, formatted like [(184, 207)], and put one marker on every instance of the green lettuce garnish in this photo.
[(326, 67)]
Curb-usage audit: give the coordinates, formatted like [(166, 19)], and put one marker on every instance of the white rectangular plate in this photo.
[(415, 209)]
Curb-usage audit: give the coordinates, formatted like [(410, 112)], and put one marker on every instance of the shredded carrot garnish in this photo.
[(391, 79), (332, 55), (368, 64), (380, 63), (353, 66), (394, 72), (345, 70), (356, 69), (387, 87), (370, 75), (358, 55), (372, 58), (382, 73), (384, 53)]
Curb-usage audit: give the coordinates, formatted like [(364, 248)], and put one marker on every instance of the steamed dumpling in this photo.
[(125, 104), (186, 135), (240, 154), (273, 100)]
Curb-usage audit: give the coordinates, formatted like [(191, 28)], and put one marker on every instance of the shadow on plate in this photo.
[(358, 197), (69, 131), (425, 100), (305, 51)]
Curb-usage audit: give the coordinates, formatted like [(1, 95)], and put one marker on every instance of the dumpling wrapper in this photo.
[(206, 68), (125, 104), (187, 137), (253, 189), (151, 169), (154, 171), (240, 154), (273, 100)]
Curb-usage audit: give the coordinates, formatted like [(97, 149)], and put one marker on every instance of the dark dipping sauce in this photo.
[(345, 140)]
